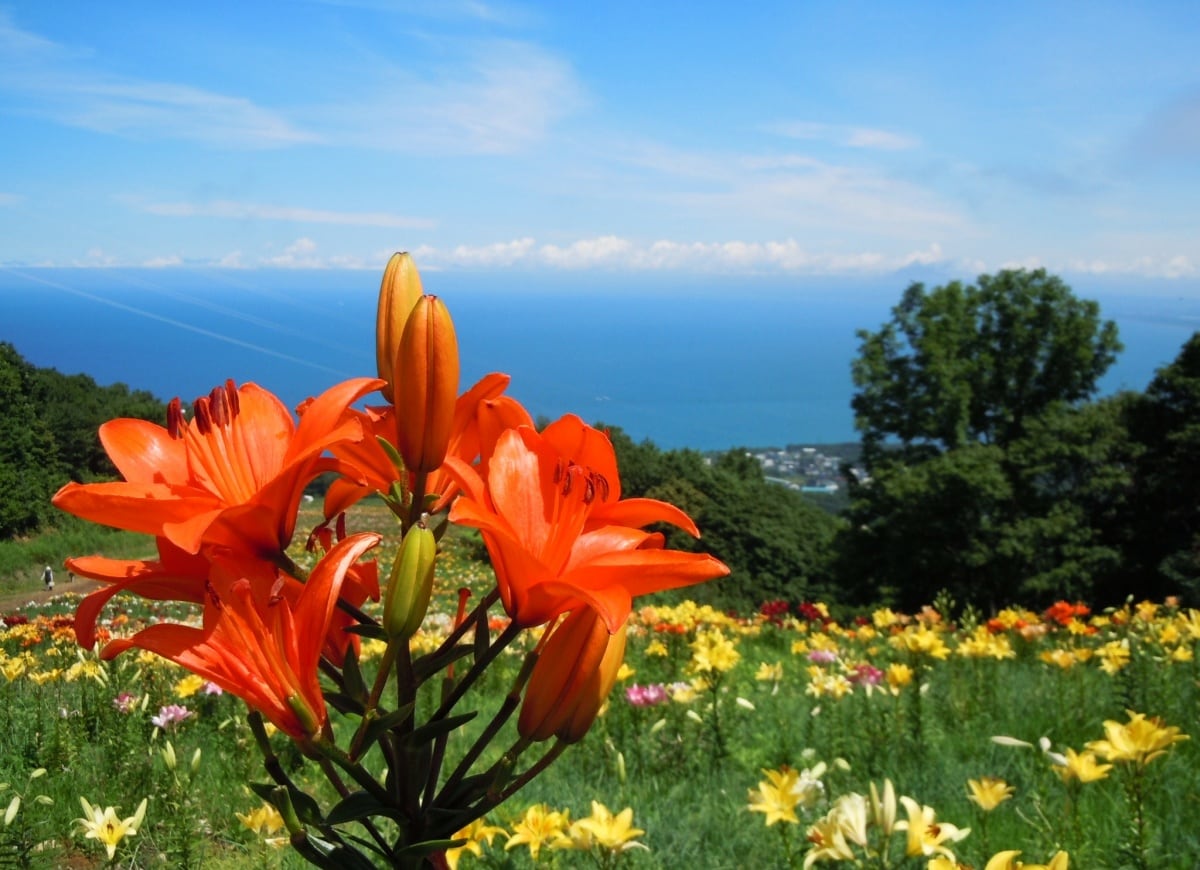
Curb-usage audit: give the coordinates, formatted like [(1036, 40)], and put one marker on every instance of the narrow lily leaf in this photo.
[(359, 805), (356, 687), (367, 629), (469, 788), (386, 723), (428, 665), (482, 640), (428, 846), (343, 703), (432, 730)]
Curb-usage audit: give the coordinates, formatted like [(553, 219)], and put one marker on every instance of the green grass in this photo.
[(22, 560), (687, 789)]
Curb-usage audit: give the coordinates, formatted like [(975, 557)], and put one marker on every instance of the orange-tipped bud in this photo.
[(595, 692), (411, 584), (567, 677), (426, 387), (398, 293)]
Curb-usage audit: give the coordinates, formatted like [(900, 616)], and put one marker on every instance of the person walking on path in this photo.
[(48, 578)]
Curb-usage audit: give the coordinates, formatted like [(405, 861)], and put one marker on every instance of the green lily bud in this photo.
[(411, 583)]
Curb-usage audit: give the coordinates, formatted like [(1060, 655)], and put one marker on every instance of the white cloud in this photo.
[(9, 199), (845, 136), (163, 262), (497, 254), (1178, 266), (613, 252), (586, 253), (255, 211), (300, 254)]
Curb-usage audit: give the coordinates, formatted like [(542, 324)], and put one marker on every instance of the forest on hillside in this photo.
[(989, 471)]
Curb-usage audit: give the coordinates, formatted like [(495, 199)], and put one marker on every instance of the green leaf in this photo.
[(437, 728), (428, 846), (387, 722), (359, 805), (343, 703), (356, 687), (427, 665), (368, 629)]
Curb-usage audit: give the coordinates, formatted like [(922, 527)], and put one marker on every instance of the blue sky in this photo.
[(807, 138)]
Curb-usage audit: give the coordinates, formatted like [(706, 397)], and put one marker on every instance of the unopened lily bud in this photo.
[(426, 385), (568, 660), (411, 583), (398, 293), (195, 761), (595, 693), (168, 755)]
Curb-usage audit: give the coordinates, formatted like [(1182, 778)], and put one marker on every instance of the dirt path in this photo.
[(17, 599)]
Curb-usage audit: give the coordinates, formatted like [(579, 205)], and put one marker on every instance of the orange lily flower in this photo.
[(260, 646), (180, 576), (174, 576), (560, 535), (477, 414), (231, 476)]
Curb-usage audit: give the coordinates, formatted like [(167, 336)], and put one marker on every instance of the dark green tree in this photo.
[(973, 363), (29, 468), (987, 474), (1165, 421), (776, 543), (74, 406)]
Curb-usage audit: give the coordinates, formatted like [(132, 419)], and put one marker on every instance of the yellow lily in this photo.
[(1008, 861), (105, 826)]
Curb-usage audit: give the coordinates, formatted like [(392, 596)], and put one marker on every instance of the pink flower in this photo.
[(646, 696), (866, 675), (822, 656), (125, 702), (171, 714)]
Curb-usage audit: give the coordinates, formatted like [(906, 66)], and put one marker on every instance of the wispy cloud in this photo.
[(8, 199), (50, 81), (496, 97), (845, 136), (254, 211), (797, 189), (490, 96)]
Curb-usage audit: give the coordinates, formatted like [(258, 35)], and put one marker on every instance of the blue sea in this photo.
[(708, 363)]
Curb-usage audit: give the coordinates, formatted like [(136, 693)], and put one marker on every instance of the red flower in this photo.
[(231, 476), (258, 644), (560, 535)]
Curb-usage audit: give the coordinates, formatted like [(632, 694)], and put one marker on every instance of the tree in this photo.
[(1165, 421), (980, 451), (962, 364), (777, 544), (29, 468)]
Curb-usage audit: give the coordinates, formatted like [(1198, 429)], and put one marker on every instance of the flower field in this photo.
[(939, 739)]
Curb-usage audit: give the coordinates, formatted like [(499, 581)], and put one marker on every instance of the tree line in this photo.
[(48, 424), (989, 470)]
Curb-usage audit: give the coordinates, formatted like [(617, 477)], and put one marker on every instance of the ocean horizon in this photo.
[(706, 362)]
